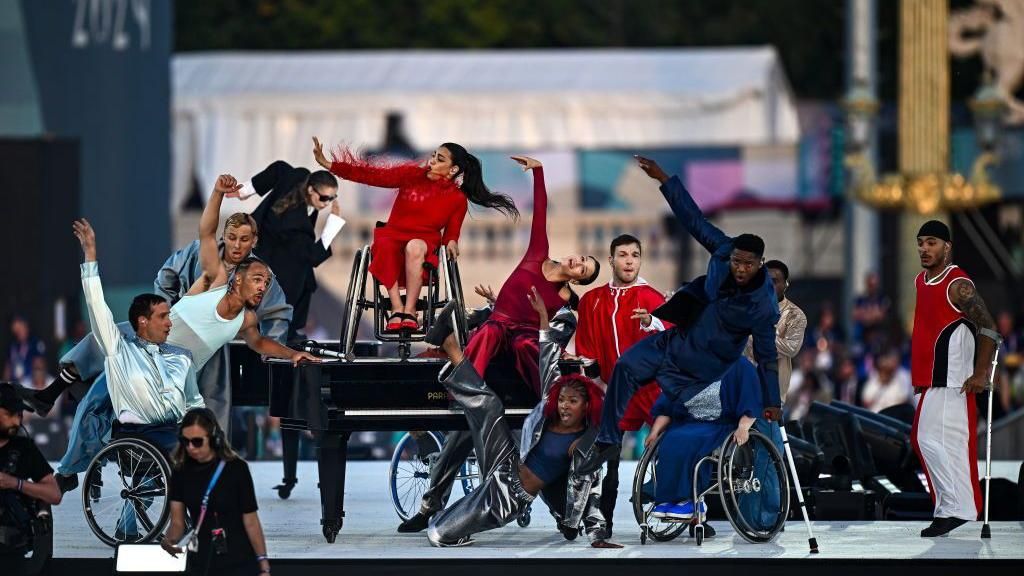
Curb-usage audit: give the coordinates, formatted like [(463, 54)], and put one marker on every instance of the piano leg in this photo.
[(332, 455)]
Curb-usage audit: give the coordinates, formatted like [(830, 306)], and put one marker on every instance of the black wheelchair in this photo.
[(126, 492), (744, 477), (357, 302)]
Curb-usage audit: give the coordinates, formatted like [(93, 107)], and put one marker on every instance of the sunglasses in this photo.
[(195, 442), (327, 198)]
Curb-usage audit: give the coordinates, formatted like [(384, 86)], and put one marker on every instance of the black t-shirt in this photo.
[(20, 458), (232, 496)]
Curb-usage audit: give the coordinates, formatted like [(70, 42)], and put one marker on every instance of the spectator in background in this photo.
[(78, 332), (808, 384), (870, 314), (824, 338), (1009, 379), (888, 385), (847, 385), (22, 349)]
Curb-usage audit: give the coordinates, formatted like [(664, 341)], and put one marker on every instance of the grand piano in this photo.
[(338, 397)]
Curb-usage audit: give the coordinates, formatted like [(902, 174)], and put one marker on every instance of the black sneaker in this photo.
[(32, 403), (941, 527), (66, 482), (416, 523)]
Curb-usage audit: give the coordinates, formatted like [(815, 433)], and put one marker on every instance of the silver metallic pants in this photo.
[(500, 498)]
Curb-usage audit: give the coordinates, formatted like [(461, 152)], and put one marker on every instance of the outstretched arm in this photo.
[(538, 247), (213, 273), (268, 347), (683, 206), (103, 327), (964, 296), (344, 164), (767, 357)]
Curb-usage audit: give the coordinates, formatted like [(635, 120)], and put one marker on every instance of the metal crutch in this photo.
[(811, 540), (986, 530)]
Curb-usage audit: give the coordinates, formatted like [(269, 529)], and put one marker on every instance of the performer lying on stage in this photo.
[(512, 327), (556, 435), (721, 311), (728, 406), (215, 310), (430, 200)]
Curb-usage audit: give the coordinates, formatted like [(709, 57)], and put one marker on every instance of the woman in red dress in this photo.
[(427, 214)]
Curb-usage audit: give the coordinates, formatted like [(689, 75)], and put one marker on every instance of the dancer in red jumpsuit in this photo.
[(427, 214)]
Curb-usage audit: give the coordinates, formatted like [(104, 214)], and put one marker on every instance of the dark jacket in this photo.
[(287, 241), (717, 336)]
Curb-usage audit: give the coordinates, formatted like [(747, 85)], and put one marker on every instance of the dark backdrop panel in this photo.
[(39, 196), (102, 69)]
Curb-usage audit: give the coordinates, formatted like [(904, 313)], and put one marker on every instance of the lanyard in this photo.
[(206, 497)]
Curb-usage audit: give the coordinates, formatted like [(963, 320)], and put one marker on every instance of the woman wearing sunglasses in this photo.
[(213, 484), (286, 220), (427, 214)]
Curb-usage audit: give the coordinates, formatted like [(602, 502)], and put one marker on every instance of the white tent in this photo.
[(236, 112)]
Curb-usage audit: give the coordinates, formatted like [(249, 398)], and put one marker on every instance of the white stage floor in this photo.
[(293, 530)]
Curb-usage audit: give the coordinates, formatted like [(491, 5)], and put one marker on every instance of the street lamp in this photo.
[(929, 192)]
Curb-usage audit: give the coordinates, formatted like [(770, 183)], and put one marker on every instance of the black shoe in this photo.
[(66, 482), (941, 527), (416, 523), (600, 454), (444, 325), (28, 397), (284, 489)]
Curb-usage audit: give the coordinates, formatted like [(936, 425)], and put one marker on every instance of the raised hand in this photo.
[(537, 303), (336, 207), (86, 238), (486, 291), (651, 168), (527, 163), (227, 185), (318, 154)]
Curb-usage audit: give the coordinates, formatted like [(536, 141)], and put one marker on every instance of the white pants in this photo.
[(944, 437)]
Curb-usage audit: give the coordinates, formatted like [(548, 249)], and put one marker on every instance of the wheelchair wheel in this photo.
[(754, 487), (356, 293), (409, 473), (126, 493), (644, 485), (469, 474)]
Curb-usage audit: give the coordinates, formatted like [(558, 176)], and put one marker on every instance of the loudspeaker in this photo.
[(39, 184)]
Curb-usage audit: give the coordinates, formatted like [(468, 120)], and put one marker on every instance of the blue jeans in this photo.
[(90, 432)]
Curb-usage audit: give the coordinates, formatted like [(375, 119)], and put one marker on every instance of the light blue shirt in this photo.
[(149, 383)]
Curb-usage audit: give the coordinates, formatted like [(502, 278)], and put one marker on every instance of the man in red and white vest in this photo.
[(951, 353), (612, 318)]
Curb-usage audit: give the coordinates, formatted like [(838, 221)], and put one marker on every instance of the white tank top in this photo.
[(196, 326)]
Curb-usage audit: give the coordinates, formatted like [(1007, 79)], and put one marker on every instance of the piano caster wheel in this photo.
[(524, 519), (331, 532)]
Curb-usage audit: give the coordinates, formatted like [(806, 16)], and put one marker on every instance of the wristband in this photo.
[(262, 557), (21, 484)]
